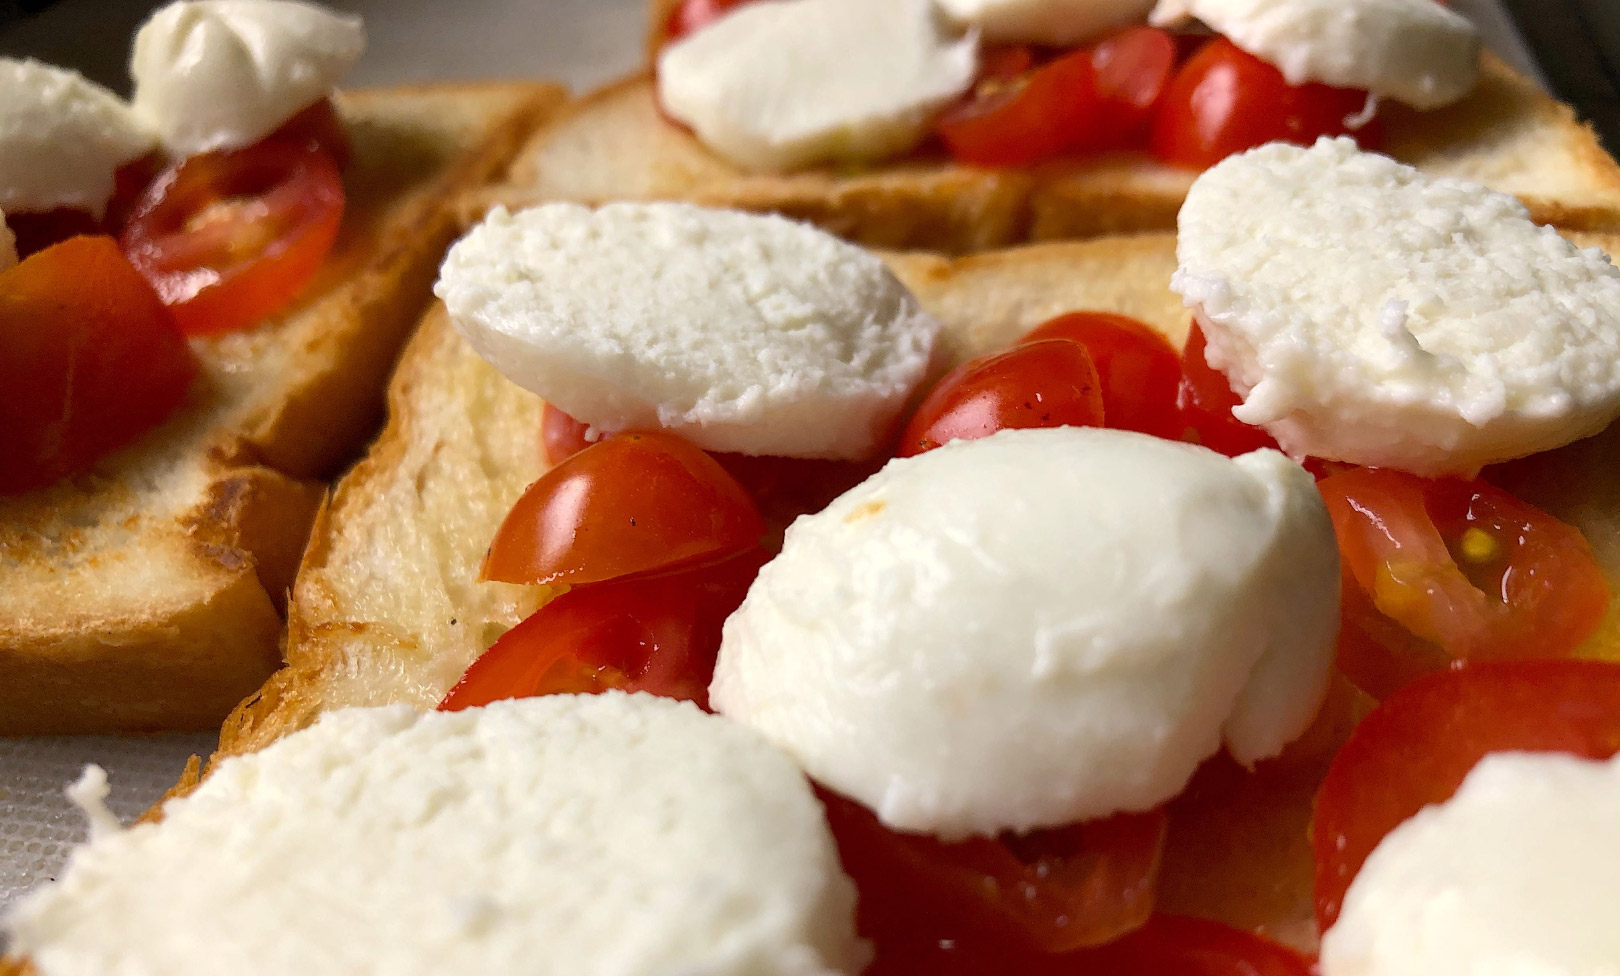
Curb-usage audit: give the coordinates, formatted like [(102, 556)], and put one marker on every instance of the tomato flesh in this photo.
[(318, 127), (1025, 120), (632, 503), (1137, 367), (1417, 747), (229, 238), (89, 360), (1442, 571), (1206, 400), (1225, 100), (1045, 383)]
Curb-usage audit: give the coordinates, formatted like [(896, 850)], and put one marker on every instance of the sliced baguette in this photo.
[(614, 144), (146, 595)]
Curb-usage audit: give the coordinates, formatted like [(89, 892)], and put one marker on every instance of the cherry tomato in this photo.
[(229, 238), (632, 503), (1133, 71), (319, 127), (785, 488), (1225, 100), (89, 360), (1047, 383), (39, 230), (1138, 369), (692, 15), (1206, 399), (561, 436), (658, 634), (1051, 891), (1416, 748), (1441, 571)]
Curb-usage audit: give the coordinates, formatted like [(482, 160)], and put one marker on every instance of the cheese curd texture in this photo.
[(573, 835), (1040, 627), (1514, 874), (8, 245), (788, 83), (221, 74), (1414, 51), (1054, 22), (62, 139), (1370, 313), (739, 332)]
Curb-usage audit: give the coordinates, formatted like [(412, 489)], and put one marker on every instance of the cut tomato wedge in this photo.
[(561, 436), (631, 504), (1044, 383), (89, 360), (1137, 367), (1206, 401), (1417, 747), (229, 238), (35, 231), (1442, 571), (692, 15), (318, 127)]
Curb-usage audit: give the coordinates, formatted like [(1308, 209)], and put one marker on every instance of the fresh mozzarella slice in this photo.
[(1513, 874), (560, 835), (740, 332), (62, 139), (1414, 51), (1370, 313), (787, 83), (1038, 628), (8, 245), (1060, 23), (220, 74)]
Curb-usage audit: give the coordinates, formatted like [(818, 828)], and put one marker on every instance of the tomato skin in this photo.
[(630, 504), (1439, 571), (1045, 383), (561, 436), (1139, 371), (318, 127), (1205, 399), (693, 15), (35, 231), (229, 238), (1417, 747), (1225, 100), (90, 359), (1134, 69)]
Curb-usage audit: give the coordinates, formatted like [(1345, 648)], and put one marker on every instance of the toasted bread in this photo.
[(146, 594), (615, 144)]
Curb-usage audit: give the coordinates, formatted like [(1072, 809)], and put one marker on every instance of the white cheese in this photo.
[(8, 245), (1039, 627), (1060, 23), (1515, 874), (607, 834), (1373, 314), (62, 139), (783, 84), (740, 332), (1413, 51), (220, 74)]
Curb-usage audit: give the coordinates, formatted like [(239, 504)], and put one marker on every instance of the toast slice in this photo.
[(147, 594), (615, 144)]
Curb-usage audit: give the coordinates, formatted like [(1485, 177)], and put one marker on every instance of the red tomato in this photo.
[(37, 231), (228, 238), (319, 127), (1225, 100), (1206, 399), (691, 15), (561, 436), (633, 503), (1047, 383), (657, 634), (1052, 891), (785, 488), (1416, 748), (1440, 571), (1138, 369), (89, 360), (1134, 69)]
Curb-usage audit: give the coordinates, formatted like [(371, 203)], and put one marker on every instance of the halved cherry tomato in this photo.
[(228, 238), (1138, 369), (1441, 571), (319, 127), (785, 488), (658, 634), (1134, 69), (89, 360), (632, 503), (1051, 891), (692, 15), (1047, 383), (1417, 747), (37, 231), (1206, 400), (561, 436), (1225, 100)]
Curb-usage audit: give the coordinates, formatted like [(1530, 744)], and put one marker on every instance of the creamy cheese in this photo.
[(1414, 51), (789, 83), (62, 139), (1515, 874), (1039, 627), (606, 834), (740, 332), (220, 74), (8, 245), (1059, 23), (1370, 313)]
